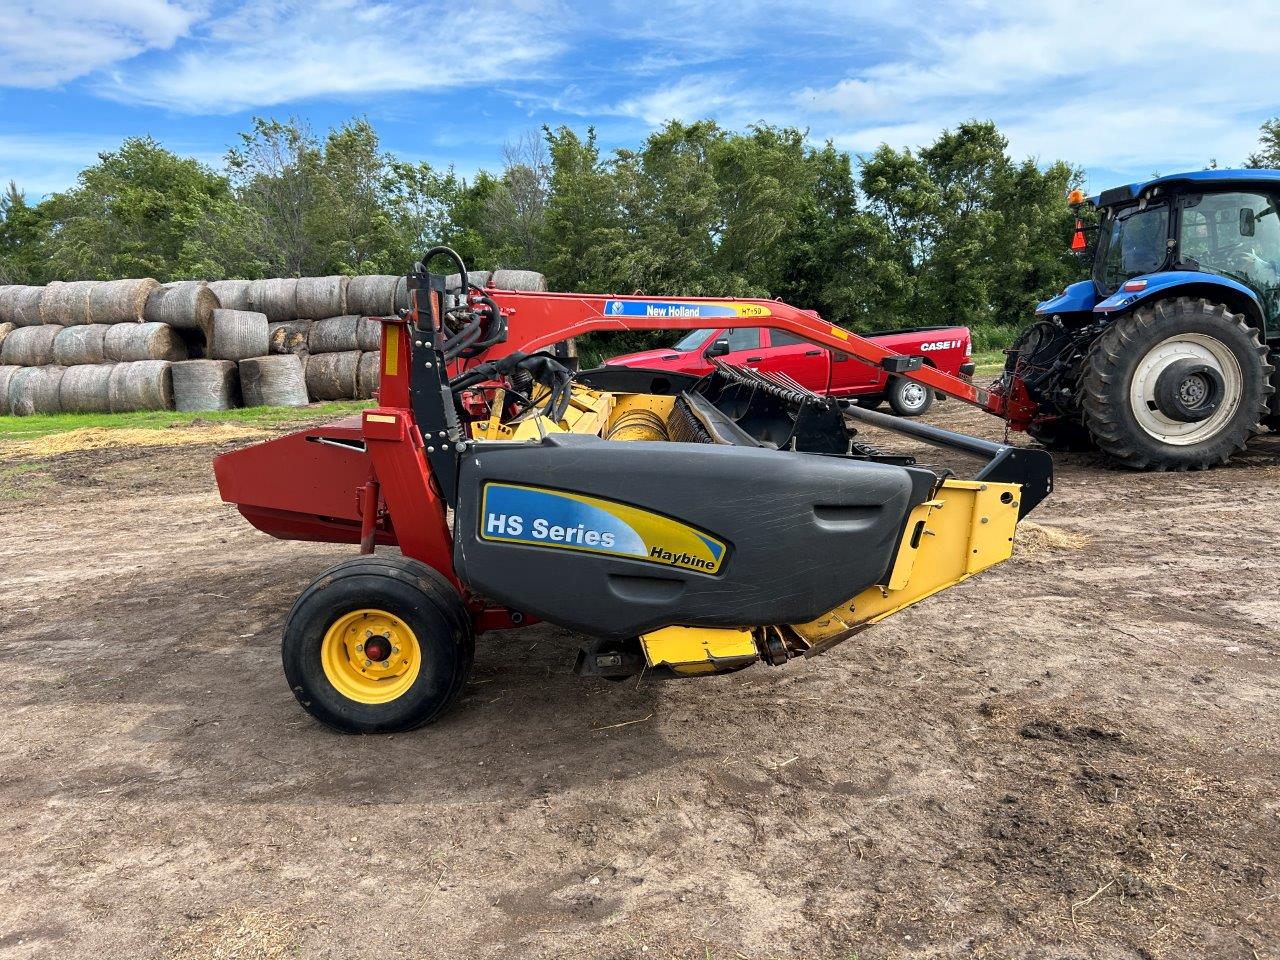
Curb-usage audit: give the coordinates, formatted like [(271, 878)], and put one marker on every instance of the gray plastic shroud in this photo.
[(803, 532)]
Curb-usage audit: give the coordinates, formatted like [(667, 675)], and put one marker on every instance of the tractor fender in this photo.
[(1184, 283), (1076, 298)]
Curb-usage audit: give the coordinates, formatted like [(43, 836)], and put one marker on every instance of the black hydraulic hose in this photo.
[(452, 254)]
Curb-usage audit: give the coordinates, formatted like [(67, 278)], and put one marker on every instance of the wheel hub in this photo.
[(913, 394), (1186, 389), (370, 656)]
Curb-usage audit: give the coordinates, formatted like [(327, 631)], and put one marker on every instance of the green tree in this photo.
[(142, 211), (23, 237), (1268, 153)]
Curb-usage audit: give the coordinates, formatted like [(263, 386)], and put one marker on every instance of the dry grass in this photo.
[(100, 438), (237, 935)]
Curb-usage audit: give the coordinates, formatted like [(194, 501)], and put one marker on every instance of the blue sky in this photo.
[(1121, 88)]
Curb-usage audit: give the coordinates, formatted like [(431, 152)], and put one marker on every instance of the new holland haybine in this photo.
[(685, 525)]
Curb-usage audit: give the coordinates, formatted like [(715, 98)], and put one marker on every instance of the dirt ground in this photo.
[(1073, 755)]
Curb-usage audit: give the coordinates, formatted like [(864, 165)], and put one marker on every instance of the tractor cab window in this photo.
[(1236, 235), (1132, 241)]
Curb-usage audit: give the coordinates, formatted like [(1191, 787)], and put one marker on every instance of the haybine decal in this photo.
[(538, 517), (675, 310)]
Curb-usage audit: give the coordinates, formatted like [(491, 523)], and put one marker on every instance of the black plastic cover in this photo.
[(801, 533)]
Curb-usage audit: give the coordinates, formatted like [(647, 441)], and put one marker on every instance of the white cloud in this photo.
[(277, 51), (1119, 84), (53, 41), (46, 163)]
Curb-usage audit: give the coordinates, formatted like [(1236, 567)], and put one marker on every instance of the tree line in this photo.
[(957, 231)]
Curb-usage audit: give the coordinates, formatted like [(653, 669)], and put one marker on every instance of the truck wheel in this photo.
[(378, 645), (908, 398), (870, 402), (1179, 385)]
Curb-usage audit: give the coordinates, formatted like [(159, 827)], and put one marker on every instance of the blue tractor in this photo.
[(1165, 359)]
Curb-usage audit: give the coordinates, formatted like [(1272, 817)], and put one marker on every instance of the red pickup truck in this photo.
[(819, 369)]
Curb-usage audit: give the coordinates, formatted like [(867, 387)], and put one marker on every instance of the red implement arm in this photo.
[(538, 320)]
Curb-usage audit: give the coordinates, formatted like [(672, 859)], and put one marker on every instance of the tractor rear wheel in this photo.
[(1062, 435), (378, 645), (1179, 385)]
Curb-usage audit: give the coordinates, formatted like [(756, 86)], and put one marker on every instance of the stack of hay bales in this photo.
[(113, 346)]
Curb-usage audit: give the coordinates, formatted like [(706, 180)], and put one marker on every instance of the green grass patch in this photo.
[(41, 425), (989, 362), (22, 481)]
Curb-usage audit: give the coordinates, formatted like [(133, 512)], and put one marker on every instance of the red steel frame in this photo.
[(367, 480)]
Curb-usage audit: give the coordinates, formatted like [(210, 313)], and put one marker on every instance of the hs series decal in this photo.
[(534, 516)]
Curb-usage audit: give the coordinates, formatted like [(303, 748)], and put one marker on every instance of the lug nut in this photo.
[(359, 648), (368, 663)]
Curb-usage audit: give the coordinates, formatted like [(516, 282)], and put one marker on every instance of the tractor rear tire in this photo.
[(1182, 384), (378, 645), (907, 398)]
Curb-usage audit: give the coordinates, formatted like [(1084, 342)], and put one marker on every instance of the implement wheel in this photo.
[(378, 645), (1179, 385)]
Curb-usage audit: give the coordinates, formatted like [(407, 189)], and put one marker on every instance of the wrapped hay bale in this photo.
[(238, 334), (205, 385), (144, 385), (187, 305), (129, 342), (119, 301), (7, 371), (334, 335), (231, 294), (66, 303), (367, 372), (5, 330), (35, 390), (277, 298), (30, 346), (369, 334), (372, 296), (289, 336), (276, 381), (82, 344), (518, 280), (321, 297), (20, 306), (332, 376), (86, 388)]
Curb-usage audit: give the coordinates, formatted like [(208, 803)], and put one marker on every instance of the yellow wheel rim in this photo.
[(351, 650)]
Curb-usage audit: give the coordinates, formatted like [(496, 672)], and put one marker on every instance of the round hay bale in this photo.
[(5, 329), (187, 305), (372, 296), (119, 301), (334, 335), (276, 381), (289, 336), (275, 297), (367, 373), (231, 294), (66, 303), (35, 390), (129, 342), (20, 306), (369, 334), (205, 385), (332, 376), (144, 385), (320, 297), (86, 388), (238, 334), (518, 280), (83, 344), (30, 346), (7, 371)]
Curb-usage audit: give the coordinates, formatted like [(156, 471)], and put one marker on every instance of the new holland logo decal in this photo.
[(673, 309), (534, 516)]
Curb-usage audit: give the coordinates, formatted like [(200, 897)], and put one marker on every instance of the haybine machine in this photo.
[(686, 526)]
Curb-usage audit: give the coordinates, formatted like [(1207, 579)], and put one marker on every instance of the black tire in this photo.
[(908, 398), (1113, 362), (411, 591), (1062, 435), (869, 403)]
